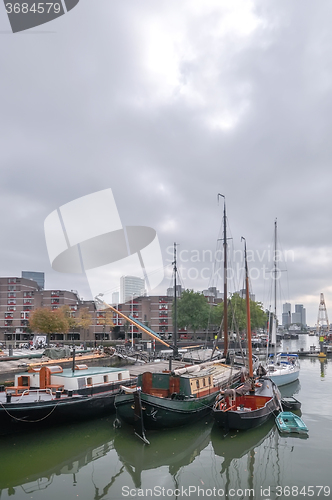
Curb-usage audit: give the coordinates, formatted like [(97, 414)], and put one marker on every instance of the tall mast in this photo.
[(225, 281), (275, 269), (251, 371), (175, 335), (275, 287)]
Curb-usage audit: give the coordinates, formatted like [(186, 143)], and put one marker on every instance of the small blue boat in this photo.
[(289, 422)]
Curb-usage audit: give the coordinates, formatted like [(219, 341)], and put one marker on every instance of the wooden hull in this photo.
[(251, 410), (161, 413)]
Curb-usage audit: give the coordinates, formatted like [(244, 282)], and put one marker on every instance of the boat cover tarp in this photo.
[(57, 352)]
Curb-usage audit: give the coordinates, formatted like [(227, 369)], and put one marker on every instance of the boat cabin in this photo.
[(166, 385), (65, 379)]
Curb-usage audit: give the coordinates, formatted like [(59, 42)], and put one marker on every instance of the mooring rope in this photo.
[(28, 421)]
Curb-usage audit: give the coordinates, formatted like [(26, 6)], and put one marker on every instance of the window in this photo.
[(11, 308), (12, 288), (11, 302), (9, 315), (119, 376), (55, 301), (105, 379), (11, 280), (89, 381), (27, 301), (27, 294), (11, 294)]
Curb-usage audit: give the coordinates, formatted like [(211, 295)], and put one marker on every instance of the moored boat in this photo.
[(174, 398), (288, 422), (53, 395), (252, 404), (290, 404), (282, 368)]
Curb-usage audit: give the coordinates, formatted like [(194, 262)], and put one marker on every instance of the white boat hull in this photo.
[(284, 375)]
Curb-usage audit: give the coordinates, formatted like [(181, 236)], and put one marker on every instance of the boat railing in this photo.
[(36, 392)]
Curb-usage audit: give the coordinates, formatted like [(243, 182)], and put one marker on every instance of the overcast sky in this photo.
[(170, 103)]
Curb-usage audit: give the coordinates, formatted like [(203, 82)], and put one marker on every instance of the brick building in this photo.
[(20, 296)]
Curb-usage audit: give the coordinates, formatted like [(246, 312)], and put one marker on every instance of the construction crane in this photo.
[(322, 319)]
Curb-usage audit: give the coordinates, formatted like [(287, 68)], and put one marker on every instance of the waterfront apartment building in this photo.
[(153, 311), (19, 297), (17, 300)]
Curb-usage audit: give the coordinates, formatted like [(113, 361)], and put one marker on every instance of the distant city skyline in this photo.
[(299, 316)]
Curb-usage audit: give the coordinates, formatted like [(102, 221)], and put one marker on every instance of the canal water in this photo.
[(93, 461)]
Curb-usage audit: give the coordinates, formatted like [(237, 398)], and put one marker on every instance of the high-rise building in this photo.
[(131, 286), (300, 310), (286, 314), (38, 277)]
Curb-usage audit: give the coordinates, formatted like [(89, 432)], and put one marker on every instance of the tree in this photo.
[(84, 318), (192, 310), (72, 323), (237, 314), (47, 321)]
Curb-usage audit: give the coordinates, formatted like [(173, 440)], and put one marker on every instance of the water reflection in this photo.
[(67, 452), (173, 448), (32, 461), (92, 460)]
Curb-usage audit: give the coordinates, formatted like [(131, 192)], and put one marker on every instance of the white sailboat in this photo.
[(282, 368)]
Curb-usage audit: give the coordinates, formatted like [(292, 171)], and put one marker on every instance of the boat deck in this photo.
[(30, 396)]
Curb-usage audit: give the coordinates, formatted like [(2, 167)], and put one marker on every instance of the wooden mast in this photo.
[(175, 332), (251, 371), (225, 281)]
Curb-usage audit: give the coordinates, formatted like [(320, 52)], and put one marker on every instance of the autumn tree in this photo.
[(48, 321), (68, 313), (84, 318)]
